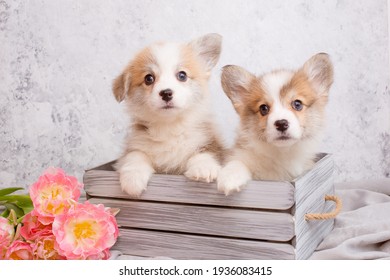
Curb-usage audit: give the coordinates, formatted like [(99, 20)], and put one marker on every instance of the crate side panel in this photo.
[(310, 198), (214, 221), (179, 189), (146, 243), (315, 233)]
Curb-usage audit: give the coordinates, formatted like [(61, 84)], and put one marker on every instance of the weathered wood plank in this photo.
[(185, 246), (215, 221), (311, 189), (179, 189)]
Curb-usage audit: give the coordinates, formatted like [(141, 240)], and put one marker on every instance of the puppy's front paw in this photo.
[(233, 177), (134, 182), (134, 169), (202, 167)]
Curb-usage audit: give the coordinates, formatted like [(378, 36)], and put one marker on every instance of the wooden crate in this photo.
[(184, 219)]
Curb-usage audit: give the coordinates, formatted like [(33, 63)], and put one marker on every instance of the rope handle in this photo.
[(326, 216)]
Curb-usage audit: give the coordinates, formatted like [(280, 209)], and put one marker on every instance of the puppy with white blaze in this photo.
[(281, 118), (172, 129)]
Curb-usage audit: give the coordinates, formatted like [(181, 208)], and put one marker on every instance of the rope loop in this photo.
[(326, 216)]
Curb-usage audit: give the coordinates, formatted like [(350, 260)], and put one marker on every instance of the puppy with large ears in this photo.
[(281, 118), (165, 89)]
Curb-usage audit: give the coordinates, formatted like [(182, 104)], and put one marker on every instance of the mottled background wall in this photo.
[(58, 59)]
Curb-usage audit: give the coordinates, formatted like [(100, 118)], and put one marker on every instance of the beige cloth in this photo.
[(362, 229)]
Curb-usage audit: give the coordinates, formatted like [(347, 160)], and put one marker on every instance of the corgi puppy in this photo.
[(165, 89), (281, 116)]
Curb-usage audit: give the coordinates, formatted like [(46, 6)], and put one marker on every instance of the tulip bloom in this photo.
[(32, 228), (85, 231), (7, 233), (51, 194), (19, 250), (45, 248)]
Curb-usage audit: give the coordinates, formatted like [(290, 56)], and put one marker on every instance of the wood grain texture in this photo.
[(184, 219), (214, 221), (186, 246), (179, 189), (310, 191)]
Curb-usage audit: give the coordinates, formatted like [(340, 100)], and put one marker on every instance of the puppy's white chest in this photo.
[(171, 151)]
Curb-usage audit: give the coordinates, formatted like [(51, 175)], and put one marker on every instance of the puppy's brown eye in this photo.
[(297, 105), (182, 76), (149, 79), (264, 109)]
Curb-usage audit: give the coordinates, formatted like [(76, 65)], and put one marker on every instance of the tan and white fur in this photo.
[(281, 118), (172, 130)]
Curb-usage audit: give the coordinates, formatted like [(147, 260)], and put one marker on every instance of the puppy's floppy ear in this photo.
[(207, 48), (236, 82), (120, 86), (319, 70)]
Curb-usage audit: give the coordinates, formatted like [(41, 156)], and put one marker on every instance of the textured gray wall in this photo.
[(58, 58)]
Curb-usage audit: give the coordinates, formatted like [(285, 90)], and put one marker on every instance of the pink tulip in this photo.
[(52, 192), (7, 233), (19, 250), (32, 228), (45, 248), (85, 231)]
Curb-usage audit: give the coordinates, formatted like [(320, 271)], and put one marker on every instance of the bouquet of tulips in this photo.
[(51, 224)]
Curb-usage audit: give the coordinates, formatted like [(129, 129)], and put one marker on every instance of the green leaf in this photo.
[(5, 213), (22, 198), (23, 201), (20, 203), (27, 210), (9, 190), (19, 211)]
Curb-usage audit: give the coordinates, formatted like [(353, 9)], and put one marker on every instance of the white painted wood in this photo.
[(179, 189), (310, 192), (187, 246), (214, 221)]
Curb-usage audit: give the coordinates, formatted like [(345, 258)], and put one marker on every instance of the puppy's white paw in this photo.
[(202, 167), (233, 177), (134, 170), (134, 182)]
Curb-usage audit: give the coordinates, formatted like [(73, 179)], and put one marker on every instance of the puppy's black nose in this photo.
[(166, 94), (281, 125)]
